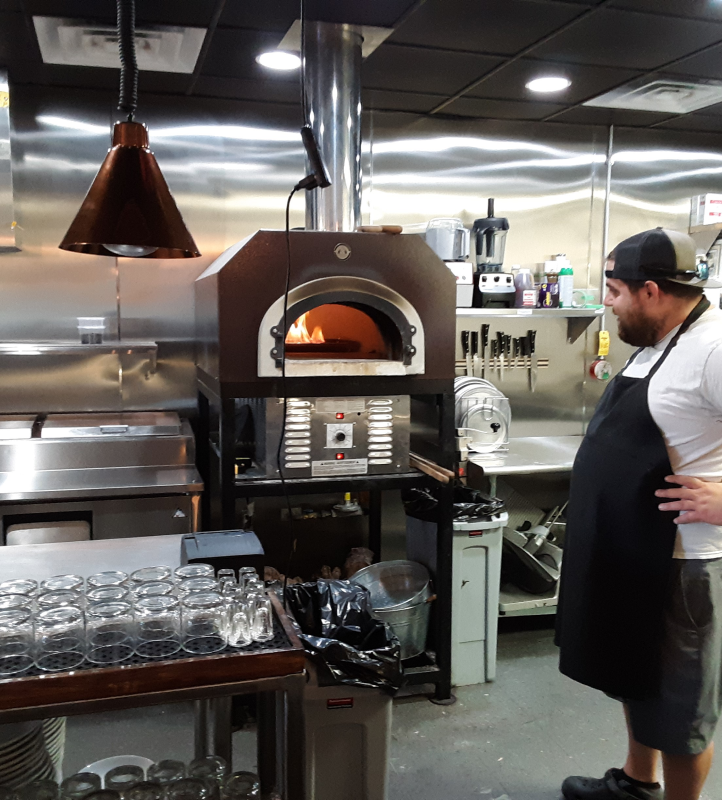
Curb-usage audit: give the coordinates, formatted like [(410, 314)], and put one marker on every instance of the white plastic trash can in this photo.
[(348, 731), (476, 573)]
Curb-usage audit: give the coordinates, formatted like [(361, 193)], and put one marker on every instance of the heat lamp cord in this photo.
[(279, 452), (128, 101)]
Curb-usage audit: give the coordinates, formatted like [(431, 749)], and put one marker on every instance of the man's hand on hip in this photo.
[(700, 500)]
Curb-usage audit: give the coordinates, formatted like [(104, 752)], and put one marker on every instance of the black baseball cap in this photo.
[(660, 254)]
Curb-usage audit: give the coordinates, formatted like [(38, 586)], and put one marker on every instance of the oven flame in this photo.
[(298, 333)]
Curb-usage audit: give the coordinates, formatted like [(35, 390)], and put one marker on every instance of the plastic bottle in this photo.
[(525, 292), (566, 286)]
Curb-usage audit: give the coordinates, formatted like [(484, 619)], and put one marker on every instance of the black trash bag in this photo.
[(423, 504), (345, 643)]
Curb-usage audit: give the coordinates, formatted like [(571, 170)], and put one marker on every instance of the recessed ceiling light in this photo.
[(548, 84), (279, 59)]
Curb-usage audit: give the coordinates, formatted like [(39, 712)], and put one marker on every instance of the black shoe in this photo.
[(615, 785)]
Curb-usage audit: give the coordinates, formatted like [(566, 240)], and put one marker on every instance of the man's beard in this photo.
[(639, 331)]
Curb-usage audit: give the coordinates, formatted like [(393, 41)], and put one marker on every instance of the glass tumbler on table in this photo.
[(61, 597), (226, 576), (212, 770), (245, 574), (262, 624), (241, 786), (194, 585), (16, 641), (153, 589), (158, 626), (145, 790), (79, 785), (194, 571), (166, 771), (110, 578), (59, 583), (59, 638), (41, 789), (124, 777), (103, 794), (203, 622), (239, 618), (157, 573), (107, 594), (110, 632), (24, 586), (188, 789), (9, 601)]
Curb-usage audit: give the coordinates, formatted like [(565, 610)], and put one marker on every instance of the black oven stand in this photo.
[(215, 443)]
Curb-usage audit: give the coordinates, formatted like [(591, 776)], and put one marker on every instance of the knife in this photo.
[(507, 349), (534, 368), (474, 348), (465, 350), (500, 351), (485, 350), (516, 341)]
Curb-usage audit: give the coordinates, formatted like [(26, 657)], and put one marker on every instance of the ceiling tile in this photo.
[(243, 89), (700, 9), (587, 81), (630, 40), (694, 122), (494, 26), (280, 14), (705, 65), (416, 69), (161, 12), (500, 109), (587, 115), (233, 52), (381, 100)]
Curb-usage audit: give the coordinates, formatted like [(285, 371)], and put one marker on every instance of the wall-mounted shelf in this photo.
[(73, 348), (578, 319)]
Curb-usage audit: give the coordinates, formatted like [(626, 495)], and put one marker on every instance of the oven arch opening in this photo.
[(342, 326)]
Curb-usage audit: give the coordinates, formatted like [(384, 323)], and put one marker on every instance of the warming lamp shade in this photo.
[(129, 209)]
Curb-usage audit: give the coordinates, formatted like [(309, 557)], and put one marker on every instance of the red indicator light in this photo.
[(340, 456), (339, 416)]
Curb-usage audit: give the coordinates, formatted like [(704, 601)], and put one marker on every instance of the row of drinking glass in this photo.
[(204, 779), (153, 613)]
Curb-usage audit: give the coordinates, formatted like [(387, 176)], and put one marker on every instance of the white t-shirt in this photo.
[(685, 400)]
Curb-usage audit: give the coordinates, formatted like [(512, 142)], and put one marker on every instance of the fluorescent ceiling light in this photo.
[(548, 84), (279, 59)]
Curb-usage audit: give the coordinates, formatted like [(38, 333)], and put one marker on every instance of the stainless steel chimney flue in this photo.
[(332, 75)]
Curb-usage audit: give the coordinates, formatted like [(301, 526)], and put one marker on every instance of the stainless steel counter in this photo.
[(532, 454)]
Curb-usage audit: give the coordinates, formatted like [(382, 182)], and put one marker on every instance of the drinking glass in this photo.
[(59, 639), (166, 771), (79, 785), (145, 790), (110, 632), (16, 641), (209, 767), (202, 620), (107, 594), (239, 621), (158, 573), (9, 601), (153, 589), (262, 624), (103, 794), (42, 789), (226, 576), (59, 583), (194, 571), (60, 597), (124, 777), (191, 585), (188, 789), (241, 786), (158, 628), (110, 578), (19, 586), (245, 574)]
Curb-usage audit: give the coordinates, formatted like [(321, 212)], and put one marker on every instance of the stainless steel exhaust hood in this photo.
[(7, 211)]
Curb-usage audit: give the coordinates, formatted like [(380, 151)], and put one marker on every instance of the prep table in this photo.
[(269, 672)]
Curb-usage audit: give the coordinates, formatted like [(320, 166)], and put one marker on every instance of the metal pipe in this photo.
[(605, 231), (332, 85)]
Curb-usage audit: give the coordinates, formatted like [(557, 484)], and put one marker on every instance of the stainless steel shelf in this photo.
[(73, 348), (532, 455), (559, 313)]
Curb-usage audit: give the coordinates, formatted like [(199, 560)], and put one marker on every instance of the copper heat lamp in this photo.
[(129, 210)]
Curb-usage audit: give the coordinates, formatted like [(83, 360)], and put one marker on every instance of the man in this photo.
[(640, 613), (698, 500)]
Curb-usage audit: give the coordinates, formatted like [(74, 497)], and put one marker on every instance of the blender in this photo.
[(493, 288)]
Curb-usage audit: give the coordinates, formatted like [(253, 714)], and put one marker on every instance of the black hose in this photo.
[(128, 101)]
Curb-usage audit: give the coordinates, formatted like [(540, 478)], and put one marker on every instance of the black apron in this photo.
[(619, 545)]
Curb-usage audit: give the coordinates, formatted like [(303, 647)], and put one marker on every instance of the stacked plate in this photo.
[(482, 414), (34, 755)]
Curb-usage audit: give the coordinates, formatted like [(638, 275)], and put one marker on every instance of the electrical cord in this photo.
[(128, 101), (284, 328)]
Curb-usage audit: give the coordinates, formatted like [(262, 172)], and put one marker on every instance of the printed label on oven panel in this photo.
[(340, 405), (347, 466)]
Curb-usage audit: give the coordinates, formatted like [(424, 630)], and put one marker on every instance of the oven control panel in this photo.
[(335, 436)]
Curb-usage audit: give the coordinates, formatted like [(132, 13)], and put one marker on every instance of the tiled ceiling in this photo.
[(465, 58)]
